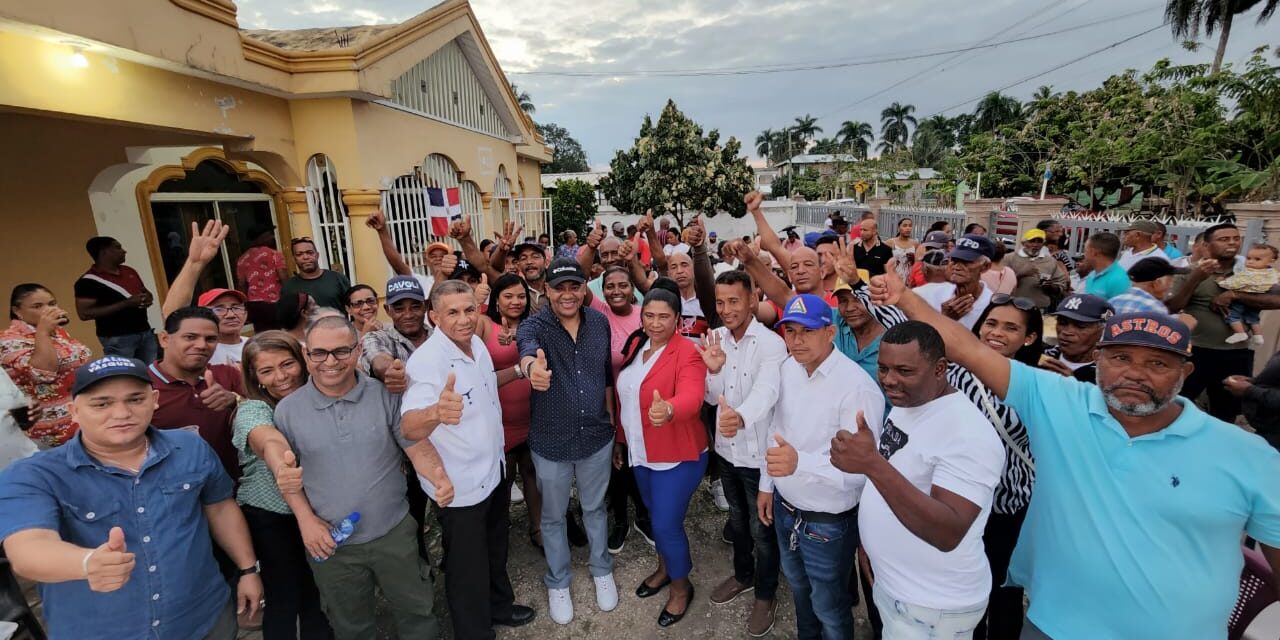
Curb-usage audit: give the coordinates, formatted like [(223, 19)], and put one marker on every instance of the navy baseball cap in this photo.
[(108, 367), (806, 310), (527, 246), (1149, 269), (563, 269), (404, 287), (464, 268), (1148, 329), (811, 238), (970, 247), (936, 240), (1085, 307)]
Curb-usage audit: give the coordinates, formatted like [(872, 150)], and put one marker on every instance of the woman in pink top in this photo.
[(999, 278), (508, 305)]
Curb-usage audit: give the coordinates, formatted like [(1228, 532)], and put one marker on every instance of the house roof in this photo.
[(549, 180), (820, 158), (318, 39)]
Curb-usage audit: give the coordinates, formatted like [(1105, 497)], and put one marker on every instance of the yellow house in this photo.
[(134, 118)]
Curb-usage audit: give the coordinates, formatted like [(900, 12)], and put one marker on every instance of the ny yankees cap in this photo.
[(105, 368), (1085, 307)]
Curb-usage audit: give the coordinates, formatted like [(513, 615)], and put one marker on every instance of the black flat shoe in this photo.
[(645, 591), (520, 616), (666, 618)]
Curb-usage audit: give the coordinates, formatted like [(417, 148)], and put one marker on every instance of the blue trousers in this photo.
[(142, 346), (816, 558), (667, 494)]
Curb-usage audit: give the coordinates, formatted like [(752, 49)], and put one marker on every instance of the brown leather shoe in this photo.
[(761, 620), (729, 590)]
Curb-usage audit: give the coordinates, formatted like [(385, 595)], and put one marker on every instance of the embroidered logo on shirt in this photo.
[(892, 439)]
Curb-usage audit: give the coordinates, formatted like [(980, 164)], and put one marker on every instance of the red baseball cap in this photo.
[(209, 296)]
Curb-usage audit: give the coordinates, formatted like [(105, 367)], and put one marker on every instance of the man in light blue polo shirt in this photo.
[(1141, 498)]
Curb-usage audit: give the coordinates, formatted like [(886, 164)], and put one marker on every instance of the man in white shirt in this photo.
[(931, 481), (453, 402), (808, 500), (229, 307), (1139, 244), (963, 296), (743, 367)]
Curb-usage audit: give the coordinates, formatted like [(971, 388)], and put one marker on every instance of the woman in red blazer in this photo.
[(660, 391)]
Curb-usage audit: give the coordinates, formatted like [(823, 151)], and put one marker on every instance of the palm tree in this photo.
[(786, 142), (1038, 99), (826, 145), (939, 129), (805, 127), (857, 137), (895, 126), (996, 110), (763, 142), (523, 99), (1187, 17)]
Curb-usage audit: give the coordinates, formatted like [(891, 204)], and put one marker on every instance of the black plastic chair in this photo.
[(13, 605)]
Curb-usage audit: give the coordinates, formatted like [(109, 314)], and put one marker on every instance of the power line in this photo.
[(781, 68)]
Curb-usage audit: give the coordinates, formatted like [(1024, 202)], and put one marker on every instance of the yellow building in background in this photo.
[(135, 118)]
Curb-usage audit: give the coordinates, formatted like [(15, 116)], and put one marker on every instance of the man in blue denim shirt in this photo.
[(116, 523)]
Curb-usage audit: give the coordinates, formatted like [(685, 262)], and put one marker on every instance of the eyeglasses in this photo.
[(367, 302), (1024, 304), (222, 310), (319, 356)]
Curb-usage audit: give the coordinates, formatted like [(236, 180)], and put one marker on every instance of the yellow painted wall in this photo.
[(392, 142), (530, 172), (328, 126)]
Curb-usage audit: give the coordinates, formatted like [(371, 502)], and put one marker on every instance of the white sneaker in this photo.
[(606, 593), (561, 605), (517, 496), (1236, 338), (717, 494), (1259, 340)]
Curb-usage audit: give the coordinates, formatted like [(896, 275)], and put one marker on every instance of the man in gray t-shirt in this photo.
[(343, 427)]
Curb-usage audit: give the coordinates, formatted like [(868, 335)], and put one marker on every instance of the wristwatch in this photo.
[(256, 568)]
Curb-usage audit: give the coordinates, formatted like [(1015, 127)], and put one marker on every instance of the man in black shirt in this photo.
[(871, 254), (324, 286), (112, 295)]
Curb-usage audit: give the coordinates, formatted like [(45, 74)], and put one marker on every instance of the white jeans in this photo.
[(906, 621)]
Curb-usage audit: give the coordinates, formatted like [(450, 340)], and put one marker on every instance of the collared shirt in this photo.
[(351, 450), (847, 342), (570, 420), (1136, 300), (810, 410), (257, 486), (1129, 257), (1115, 521), (387, 340), (472, 449), (181, 408), (106, 288), (1109, 282), (749, 382), (629, 402), (874, 258), (50, 390), (174, 590)]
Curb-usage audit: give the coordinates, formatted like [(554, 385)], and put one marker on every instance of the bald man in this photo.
[(871, 254)]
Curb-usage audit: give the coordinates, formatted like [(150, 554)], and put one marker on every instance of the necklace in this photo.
[(135, 471)]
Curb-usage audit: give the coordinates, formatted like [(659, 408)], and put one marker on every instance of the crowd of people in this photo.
[(940, 428)]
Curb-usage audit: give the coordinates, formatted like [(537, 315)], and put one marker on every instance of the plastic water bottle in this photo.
[(344, 529)]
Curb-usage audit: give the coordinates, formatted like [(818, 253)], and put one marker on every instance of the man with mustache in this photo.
[(1136, 487)]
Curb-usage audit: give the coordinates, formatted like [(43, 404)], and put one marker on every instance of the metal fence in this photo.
[(404, 204), (921, 219), (534, 214), (330, 226), (1181, 234), (813, 217)]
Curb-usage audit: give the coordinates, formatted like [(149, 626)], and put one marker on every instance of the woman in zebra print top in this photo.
[(1014, 328)]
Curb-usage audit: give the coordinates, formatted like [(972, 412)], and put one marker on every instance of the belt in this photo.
[(815, 516)]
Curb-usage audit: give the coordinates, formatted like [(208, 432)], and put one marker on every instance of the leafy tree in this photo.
[(996, 110), (1042, 95), (1188, 17), (807, 184), (856, 136), (674, 167), (763, 143), (895, 126), (567, 154), (523, 99), (826, 145), (573, 206), (806, 127)]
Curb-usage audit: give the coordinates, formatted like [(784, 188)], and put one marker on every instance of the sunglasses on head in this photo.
[(1023, 304)]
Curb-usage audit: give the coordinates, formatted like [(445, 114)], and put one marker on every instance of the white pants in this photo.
[(906, 621)]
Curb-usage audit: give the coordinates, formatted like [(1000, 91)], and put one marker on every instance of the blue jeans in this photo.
[(554, 481), (816, 558), (142, 346), (906, 621), (1240, 312), (755, 545), (667, 494)]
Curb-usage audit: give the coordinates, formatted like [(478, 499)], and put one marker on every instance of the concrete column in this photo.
[(876, 203), (1269, 213), (295, 202), (1030, 212), (370, 265), (979, 210)]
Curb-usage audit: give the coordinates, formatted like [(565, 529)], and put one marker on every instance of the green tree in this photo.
[(826, 145), (895, 127), (806, 127), (523, 99), (763, 143), (674, 168), (856, 136), (996, 110), (1187, 17), (573, 206), (567, 154)]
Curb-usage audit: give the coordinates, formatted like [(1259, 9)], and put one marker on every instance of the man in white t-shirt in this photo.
[(229, 307), (1139, 244), (930, 484), (963, 296)]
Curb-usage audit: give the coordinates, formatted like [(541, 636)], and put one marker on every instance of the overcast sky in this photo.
[(534, 37)]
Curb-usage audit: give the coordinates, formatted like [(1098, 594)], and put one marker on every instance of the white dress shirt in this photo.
[(629, 381), (749, 382), (472, 449), (936, 293), (809, 413)]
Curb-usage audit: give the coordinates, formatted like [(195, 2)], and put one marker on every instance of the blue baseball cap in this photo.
[(806, 310), (404, 288), (105, 368), (1085, 307), (1148, 329), (971, 246)]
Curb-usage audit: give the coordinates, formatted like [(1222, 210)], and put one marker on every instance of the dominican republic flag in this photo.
[(443, 207)]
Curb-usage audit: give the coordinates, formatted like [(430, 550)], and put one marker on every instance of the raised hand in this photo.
[(887, 289), (289, 474), (730, 420), (661, 411), (596, 236), (107, 568), (539, 374), (369, 325), (482, 290), (215, 396), (753, 200), (448, 263), (781, 460), (508, 333), (644, 224), (627, 251), (510, 234), (855, 452), (395, 378), (697, 232), (377, 221), (460, 229), (449, 405), (744, 253), (50, 319), (846, 267), (205, 243), (712, 353)]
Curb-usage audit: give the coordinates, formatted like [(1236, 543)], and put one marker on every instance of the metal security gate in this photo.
[(329, 222), (534, 214), (404, 204)]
